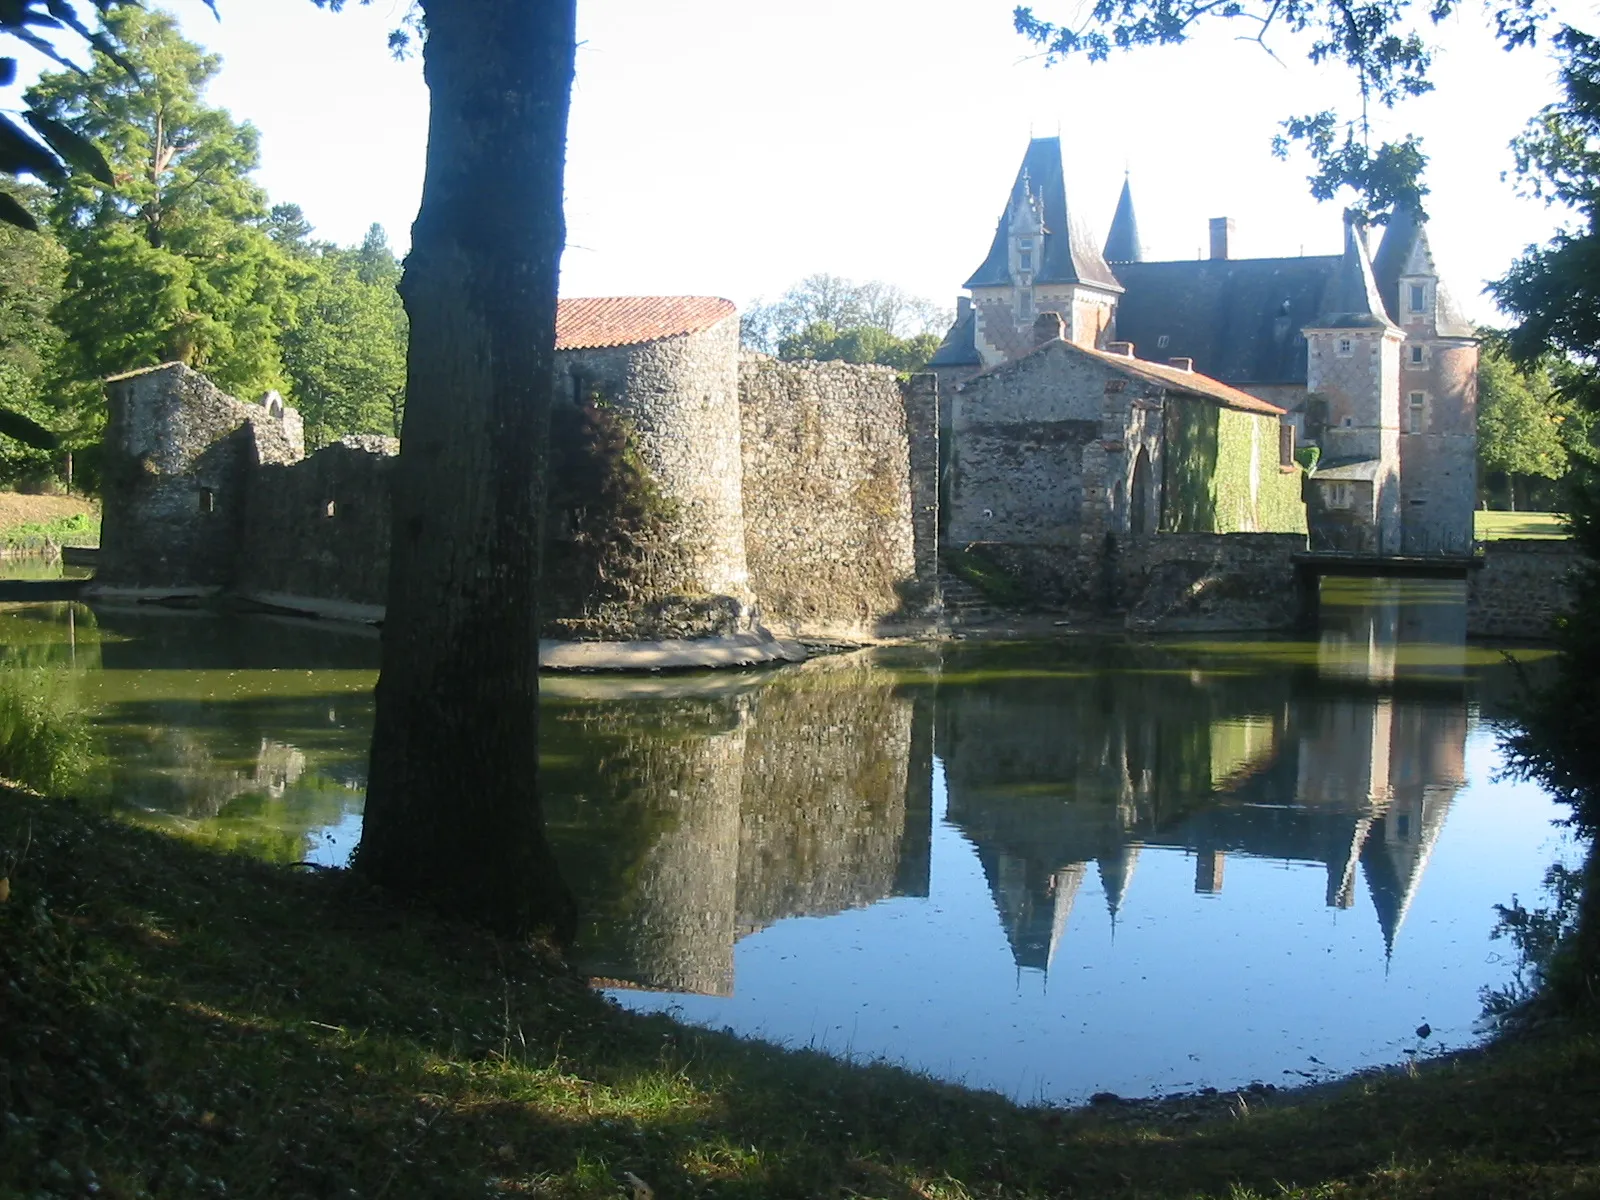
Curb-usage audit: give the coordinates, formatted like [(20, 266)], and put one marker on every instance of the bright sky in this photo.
[(731, 147)]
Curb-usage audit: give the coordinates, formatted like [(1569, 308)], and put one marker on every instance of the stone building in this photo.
[(1367, 356), (700, 493)]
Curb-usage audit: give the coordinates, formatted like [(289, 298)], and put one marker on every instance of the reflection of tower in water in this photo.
[(1353, 767), (813, 802)]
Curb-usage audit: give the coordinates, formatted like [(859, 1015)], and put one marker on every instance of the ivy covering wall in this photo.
[(1222, 472)]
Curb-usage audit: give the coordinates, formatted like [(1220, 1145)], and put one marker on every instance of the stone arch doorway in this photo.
[(1143, 510)]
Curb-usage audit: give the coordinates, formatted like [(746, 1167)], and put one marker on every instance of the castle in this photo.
[(1362, 356)]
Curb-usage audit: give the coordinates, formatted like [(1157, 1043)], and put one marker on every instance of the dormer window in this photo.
[(1025, 256), (1346, 347), (1416, 297), (1025, 305)]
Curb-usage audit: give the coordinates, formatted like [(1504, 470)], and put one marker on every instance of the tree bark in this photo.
[(452, 812)]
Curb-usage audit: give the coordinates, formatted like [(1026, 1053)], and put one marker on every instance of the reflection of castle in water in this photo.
[(687, 823), (1353, 767)]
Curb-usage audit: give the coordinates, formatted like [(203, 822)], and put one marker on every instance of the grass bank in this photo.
[(1492, 526), (179, 1022)]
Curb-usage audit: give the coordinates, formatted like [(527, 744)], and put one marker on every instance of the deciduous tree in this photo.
[(176, 261), (452, 809)]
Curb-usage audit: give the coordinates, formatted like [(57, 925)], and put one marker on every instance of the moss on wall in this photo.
[(1222, 473)]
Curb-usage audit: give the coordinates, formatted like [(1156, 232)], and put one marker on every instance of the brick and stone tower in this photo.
[(1353, 378), (1040, 261), (1438, 391)]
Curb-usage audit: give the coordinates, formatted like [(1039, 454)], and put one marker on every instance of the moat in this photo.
[(1049, 869)]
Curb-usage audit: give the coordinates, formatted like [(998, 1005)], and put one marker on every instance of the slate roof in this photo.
[(590, 322), (1190, 383), (1068, 255), (960, 345), (1360, 469), (1238, 318), (1405, 231), (1122, 243), (1352, 300)]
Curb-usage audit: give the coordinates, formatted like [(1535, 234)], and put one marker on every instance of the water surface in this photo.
[(1049, 869)]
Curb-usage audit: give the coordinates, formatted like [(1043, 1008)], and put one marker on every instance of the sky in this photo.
[(732, 147)]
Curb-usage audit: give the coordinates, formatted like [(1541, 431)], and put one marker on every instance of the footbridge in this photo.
[(1313, 566)]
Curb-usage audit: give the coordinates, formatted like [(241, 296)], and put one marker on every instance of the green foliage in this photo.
[(45, 740), (1387, 47), (1210, 451), (80, 529), (604, 512), (1308, 457), (177, 263), (32, 269), (1523, 423), (847, 310), (346, 353), (989, 577), (859, 344)]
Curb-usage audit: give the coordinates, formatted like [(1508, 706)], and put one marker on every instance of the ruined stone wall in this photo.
[(1210, 581), (179, 453), (1169, 581), (1523, 586), (1017, 458), (319, 528), (831, 531), (681, 396)]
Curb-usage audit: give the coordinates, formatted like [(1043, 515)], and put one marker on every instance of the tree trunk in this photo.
[(452, 812)]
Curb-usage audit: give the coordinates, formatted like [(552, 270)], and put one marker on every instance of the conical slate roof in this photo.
[(1405, 242), (1352, 300), (1068, 255), (1122, 243)]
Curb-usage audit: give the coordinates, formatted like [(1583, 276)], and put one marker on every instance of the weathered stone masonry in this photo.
[(835, 485)]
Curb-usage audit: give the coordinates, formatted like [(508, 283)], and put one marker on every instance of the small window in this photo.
[(208, 501), (1025, 304), (1417, 421), (1346, 347), (1025, 256), (329, 508), (1162, 342), (1419, 356), (1337, 495), (1418, 298), (1402, 826)]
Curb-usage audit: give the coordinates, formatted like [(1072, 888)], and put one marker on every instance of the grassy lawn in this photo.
[(179, 1022), (1491, 526)]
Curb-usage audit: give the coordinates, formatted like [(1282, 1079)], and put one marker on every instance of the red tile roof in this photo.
[(1192, 382), (589, 322)]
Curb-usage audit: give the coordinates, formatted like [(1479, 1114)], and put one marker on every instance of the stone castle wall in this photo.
[(1523, 586), (681, 396), (839, 476), (206, 492), (178, 451), (320, 527)]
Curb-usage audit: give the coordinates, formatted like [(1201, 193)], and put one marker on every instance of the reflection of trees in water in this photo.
[(686, 824)]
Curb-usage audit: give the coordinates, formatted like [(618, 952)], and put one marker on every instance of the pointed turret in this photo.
[(1067, 254), (1116, 872), (1122, 243), (1352, 300), (1408, 281)]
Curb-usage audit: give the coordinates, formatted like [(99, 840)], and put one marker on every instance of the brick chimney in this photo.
[(1120, 349), (1221, 237), (1049, 327), (963, 307)]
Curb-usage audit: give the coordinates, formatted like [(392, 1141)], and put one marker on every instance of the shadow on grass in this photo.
[(175, 1021)]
